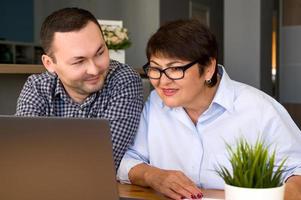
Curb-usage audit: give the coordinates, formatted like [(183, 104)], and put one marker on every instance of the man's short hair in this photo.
[(64, 20)]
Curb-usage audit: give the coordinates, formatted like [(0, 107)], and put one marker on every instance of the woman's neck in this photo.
[(195, 111)]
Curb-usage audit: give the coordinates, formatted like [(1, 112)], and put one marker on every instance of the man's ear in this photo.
[(48, 63)]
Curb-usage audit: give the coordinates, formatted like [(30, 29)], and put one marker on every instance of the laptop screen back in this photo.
[(56, 159)]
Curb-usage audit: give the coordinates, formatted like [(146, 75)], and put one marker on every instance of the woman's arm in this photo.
[(171, 183), (293, 188)]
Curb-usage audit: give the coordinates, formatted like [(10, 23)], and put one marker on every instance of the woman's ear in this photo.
[(48, 63), (210, 69)]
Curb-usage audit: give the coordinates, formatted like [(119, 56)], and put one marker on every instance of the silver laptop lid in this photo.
[(56, 159)]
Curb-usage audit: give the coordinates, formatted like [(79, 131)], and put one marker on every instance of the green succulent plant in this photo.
[(252, 166)]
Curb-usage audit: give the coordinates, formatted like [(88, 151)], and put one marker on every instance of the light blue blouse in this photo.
[(168, 139)]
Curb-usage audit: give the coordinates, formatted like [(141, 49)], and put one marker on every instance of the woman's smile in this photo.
[(169, 91)]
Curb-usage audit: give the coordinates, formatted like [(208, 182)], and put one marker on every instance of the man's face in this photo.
[(82, 61)]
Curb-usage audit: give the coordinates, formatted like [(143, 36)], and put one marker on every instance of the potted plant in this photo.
[(254, 174)]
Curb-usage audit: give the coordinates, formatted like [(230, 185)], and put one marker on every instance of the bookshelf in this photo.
[(20, 53)]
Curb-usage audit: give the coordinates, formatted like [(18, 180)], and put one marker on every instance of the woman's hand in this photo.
[(171, 183)]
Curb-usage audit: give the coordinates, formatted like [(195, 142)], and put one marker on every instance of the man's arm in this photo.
[(293, 188), (30, 102), (124, 111)]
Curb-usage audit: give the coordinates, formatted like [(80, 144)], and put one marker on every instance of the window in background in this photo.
[(200, 12), (274, 52)]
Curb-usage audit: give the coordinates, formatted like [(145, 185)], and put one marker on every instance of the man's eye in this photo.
[(78, 62), (99, 53)]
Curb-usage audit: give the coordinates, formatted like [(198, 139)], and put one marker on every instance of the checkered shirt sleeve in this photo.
[(36, 96), (123, 111)]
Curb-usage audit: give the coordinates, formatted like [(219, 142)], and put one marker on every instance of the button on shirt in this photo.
[(168, 139), (120, 101)]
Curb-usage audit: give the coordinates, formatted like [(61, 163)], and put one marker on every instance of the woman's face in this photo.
[(186, 92)]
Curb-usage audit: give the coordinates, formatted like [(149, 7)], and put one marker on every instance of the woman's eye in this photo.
[(154, 68), (176, 69)]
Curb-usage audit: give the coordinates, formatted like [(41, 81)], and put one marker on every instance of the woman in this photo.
[(193, 111)]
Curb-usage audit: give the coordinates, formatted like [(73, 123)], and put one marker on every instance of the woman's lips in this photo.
[(169, 92)]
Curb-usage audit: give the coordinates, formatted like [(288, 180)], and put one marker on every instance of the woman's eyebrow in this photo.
[(168, 64)]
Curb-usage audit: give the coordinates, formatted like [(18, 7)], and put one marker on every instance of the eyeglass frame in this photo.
[(183, 68)]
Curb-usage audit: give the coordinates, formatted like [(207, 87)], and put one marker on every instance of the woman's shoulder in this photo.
[(154, 98), (153, 102), (253, 96)]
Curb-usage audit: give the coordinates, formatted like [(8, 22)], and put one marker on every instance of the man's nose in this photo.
[(92, 68)]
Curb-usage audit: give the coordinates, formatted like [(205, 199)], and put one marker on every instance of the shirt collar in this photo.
[(59, 89), (225, 93)]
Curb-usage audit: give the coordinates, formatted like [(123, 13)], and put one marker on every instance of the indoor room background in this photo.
[(259, 40)]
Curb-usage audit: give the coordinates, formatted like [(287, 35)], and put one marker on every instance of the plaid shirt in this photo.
[(120, 101)]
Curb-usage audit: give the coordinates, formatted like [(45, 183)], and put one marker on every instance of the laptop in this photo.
[(56, 159)]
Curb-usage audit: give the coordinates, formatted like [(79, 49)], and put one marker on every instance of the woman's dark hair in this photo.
[(64, 20), (187, 40)]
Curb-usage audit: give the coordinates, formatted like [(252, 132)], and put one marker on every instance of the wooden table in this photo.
[(134, 191)]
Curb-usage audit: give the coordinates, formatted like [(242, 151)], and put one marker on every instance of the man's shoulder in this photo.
[(41, 78), (42, 82), (122, 79), (122, 71)]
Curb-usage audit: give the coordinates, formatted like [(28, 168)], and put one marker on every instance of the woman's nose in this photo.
[(164, 79)]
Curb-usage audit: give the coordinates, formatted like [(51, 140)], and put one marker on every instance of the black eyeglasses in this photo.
[(173, 73)]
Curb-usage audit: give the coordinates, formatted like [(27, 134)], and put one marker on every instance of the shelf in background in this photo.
[(21, 69), (34, 69), (20, 52)]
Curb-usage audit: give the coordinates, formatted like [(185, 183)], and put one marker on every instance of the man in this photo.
[(81, 80)]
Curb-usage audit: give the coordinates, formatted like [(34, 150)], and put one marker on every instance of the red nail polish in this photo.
[(200, 195), (193, 196)]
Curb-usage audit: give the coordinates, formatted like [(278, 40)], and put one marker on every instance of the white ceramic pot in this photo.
[(239, 193), (118, 55)]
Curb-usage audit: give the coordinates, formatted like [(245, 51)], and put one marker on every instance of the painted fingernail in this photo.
[(193, 196), (200, 195), (183, 197)]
